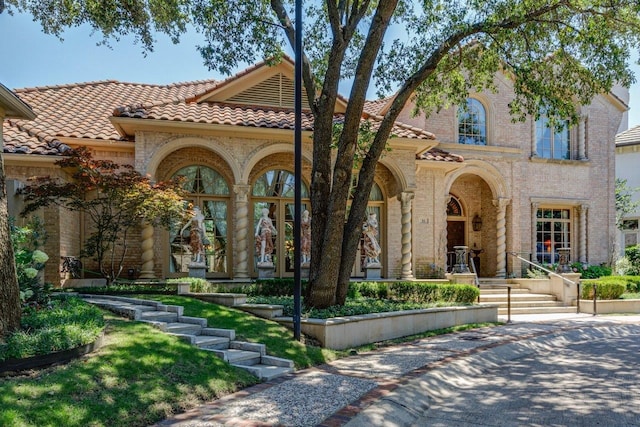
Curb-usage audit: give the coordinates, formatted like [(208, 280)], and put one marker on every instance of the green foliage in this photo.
[(630, 263), (611, 288), (115, 198), (67, 324), (138, 378), (624, 201), (591, 271), (30, 260)]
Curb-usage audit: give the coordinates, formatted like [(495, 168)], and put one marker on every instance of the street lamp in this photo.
[(297, 158)]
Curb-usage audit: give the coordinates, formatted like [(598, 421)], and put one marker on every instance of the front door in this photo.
[(455, 237)]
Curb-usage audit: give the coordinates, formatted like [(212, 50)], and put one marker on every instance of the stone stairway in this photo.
[(494, 291), (251, 357)]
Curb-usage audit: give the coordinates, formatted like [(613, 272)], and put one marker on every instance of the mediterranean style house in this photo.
[(627, 161), (465, 176)]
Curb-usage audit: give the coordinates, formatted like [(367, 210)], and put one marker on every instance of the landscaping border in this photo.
[(50, 359), (340, 333)]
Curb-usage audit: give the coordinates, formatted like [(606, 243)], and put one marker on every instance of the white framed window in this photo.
[(553, 232), (552, 142), (472, 123)]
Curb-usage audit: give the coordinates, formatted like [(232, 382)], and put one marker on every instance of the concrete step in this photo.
[(182, 328), (266, 372), (517, 297), (537, 310), (238, 357), (500, 291), (158, 316), (210, 342)]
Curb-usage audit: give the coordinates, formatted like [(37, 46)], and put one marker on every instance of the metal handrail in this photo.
[(475, 273), (553, 273), (546, 270)]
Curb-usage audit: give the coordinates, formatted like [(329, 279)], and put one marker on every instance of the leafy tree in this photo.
[(624, 201), (115, 198), (558, 53)]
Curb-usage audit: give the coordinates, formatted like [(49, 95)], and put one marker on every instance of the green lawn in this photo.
[(141, 375)]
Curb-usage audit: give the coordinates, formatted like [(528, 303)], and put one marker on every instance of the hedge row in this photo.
[(420, 292), (611, 288)]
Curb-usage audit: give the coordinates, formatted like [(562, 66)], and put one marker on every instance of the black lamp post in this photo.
[(297, 158)]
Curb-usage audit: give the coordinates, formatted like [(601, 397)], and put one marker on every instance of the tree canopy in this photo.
[(558, 53)]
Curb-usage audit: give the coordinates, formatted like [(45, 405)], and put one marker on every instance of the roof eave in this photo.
[(13, 106)]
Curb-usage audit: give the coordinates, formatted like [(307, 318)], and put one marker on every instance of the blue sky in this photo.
[(32, 58)]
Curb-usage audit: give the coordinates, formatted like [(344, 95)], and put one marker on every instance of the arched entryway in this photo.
[(471, 222)]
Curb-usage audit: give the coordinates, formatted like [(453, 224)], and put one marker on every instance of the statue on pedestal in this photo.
[(370, 244), (305, 238), (197, 236), (264, 233)]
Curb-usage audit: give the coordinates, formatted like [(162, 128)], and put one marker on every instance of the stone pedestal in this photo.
[(265, 270), (304, 270), (184, 288), (564, 261), (372, 271), (461, 265), (197, 270), (462, 278)]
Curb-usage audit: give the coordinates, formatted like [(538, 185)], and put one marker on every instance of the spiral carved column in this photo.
[(146, 258), (583, 232), (241, 270), (501, 236), (407, 255), (534, 230)]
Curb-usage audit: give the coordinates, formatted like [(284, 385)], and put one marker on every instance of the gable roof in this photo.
[(628, 137)]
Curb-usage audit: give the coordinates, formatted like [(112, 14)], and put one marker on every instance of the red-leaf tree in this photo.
[(115, 199)]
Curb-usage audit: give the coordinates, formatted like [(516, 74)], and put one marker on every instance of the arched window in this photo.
[(472, 123), (209, 191), (274, 191)]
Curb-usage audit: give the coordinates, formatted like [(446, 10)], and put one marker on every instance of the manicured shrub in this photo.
[(591, 271), (611, 288), (68, 323)]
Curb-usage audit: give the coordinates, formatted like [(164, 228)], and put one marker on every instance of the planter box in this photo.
[(219, 298), (340, 333), (610, 306)]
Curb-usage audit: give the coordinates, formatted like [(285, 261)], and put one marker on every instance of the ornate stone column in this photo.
[(407, 238), (241, 270), (501, 236), (582, 138), (146, 270), (582, 211), (534, 229)]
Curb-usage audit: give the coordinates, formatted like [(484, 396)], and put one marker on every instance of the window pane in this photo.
[(472, 123)]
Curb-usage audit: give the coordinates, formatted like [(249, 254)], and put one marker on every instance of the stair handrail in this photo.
[(475, 273), (546, 270), (566, 281)]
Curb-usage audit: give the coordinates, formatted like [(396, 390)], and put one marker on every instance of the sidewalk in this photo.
[(352, 391)]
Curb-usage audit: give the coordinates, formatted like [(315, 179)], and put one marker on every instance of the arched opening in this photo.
[(375, 206), (274, 191), (208, 190)]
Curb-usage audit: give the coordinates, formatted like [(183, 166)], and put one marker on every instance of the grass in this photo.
[(278, 339), (630, 295), (141, 375)]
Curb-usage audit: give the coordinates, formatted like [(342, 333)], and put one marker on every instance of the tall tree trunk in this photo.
[(10, 310)]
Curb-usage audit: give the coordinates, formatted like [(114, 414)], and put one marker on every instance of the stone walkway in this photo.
[(414, 383)]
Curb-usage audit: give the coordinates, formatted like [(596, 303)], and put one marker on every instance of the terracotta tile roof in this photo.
[(83, 110), (219, 113), (438, 155), (374, 107), (629, 136), (247, 115)]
